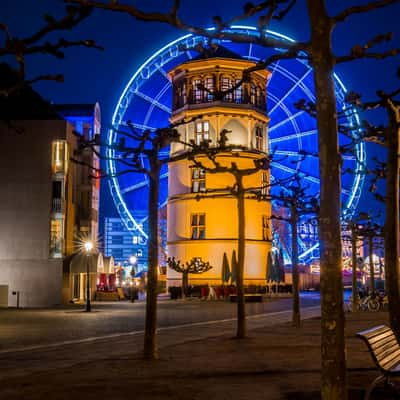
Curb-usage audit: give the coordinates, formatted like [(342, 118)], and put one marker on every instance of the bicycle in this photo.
[(370, 302)]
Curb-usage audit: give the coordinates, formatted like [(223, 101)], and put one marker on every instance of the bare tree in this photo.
[(319, 51), (239, 192), (299, 203), (194, 266), (146, 145), (39, 42), (387, 136)]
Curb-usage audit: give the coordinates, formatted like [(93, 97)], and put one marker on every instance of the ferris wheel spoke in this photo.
[(349, 158), (290, 153), (273, 69), (154, 102), (290, 91), (285, 168), (283, 122), (162, 71), (160, 94), (140, 185), (138, 126), (293, 136)]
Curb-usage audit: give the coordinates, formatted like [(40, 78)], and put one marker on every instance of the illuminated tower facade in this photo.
[(201, 224)]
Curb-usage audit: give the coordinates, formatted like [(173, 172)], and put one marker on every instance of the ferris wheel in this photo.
[(146, 103)]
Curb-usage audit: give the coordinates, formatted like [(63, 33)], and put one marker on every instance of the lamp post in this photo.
[(88, 248), (132, 289)]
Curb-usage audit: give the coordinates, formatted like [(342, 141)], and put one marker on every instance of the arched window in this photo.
[(252, 94), (238, 93), (259, 138), (226, 84), (209, 85)]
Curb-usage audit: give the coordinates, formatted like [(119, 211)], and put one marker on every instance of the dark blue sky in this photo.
[(92, 76)]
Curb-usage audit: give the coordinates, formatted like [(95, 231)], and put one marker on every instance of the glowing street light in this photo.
[(88, 245)]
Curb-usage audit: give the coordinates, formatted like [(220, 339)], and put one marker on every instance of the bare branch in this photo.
[(341, 17), (173, 20)]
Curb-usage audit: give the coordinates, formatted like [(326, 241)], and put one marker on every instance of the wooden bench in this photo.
[(385, 352)]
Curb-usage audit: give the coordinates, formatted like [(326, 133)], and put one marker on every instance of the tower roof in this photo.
[(217, 51)]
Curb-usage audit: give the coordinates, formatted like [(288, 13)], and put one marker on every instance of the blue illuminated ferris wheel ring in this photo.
[(146, 100)]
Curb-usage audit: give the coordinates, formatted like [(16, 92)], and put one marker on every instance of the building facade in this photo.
[(40, 205), (200, 224), (122, 244)]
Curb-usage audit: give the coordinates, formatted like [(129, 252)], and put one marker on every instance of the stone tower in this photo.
[(200, 224)]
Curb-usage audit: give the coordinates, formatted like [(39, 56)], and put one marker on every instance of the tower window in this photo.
[(252, 94), (210, 86), (238, 93), (198, 180), (197, 92), (265, 228), (259, 138), (226, 84), (264, 184), (198, 226), (202, 132)]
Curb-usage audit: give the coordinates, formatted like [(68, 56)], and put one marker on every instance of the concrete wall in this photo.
[(38, 282), (25, 206)]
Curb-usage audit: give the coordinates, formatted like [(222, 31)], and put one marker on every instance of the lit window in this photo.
[(238, 93), (59, 159), (265, 228), (139, 253), (226, 84), (198, 225), (259, 138), (264, 184), (56, 238), (209, 85), (197, 92), (135, 239), (202, 132), (198, 180), (252, 94)]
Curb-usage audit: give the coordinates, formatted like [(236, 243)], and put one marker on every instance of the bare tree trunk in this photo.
[(295, 269), (185, 283), (392, 224), (333, 371), (354, 291), (371, 263), (150, 335), (241, 311)]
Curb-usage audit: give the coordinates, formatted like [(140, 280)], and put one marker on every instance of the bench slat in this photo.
[(384, 348), (373, 331), (378, 338), (391, 360)]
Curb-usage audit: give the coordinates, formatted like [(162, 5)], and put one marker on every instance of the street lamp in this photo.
[(88, 245), (132, 260)]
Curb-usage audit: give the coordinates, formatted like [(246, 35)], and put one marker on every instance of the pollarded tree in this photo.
[(194, 266), (388, 136), (208, 159), (299, 203), (319, 51), (147, 146)]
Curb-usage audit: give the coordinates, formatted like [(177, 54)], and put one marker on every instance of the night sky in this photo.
[(91, 75)]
